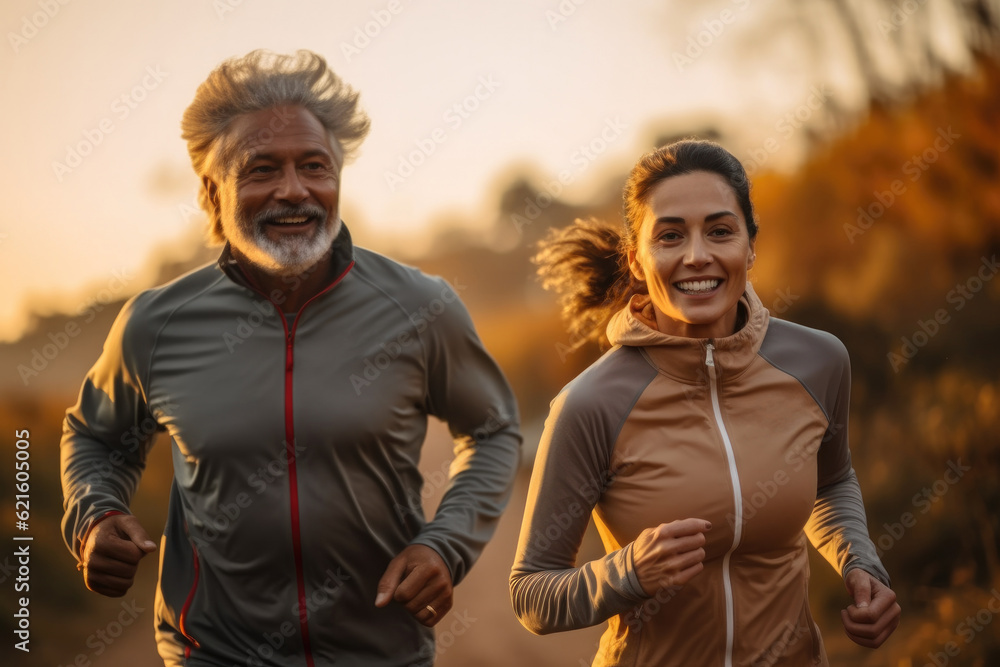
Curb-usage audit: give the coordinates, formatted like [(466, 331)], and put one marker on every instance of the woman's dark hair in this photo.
[(586, 263)]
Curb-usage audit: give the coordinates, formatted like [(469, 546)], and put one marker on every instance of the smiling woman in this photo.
[(596, 268), (721, 432), (693, 253)]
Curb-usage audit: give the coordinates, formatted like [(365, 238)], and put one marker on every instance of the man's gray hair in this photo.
[(265, 80)]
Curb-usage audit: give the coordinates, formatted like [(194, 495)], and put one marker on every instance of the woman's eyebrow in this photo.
[(711, 217)]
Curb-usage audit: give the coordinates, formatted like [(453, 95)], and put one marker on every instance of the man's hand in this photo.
[(418, 579), (112, 553), (670, 554), (874, 614)]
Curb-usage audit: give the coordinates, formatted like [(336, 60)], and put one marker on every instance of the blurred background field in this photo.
[(880, 222)]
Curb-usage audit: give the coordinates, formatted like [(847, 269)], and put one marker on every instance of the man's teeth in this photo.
[(291, 221), (698, 285)]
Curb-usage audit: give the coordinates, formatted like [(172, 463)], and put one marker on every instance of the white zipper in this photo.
[(734, 476)]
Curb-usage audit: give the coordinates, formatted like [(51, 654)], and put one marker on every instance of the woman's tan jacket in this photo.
[(748, 432)]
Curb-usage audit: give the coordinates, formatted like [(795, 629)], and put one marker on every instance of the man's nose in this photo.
[(290, 187)]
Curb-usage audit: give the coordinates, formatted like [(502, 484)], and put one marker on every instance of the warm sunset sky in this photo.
[(557, 81)]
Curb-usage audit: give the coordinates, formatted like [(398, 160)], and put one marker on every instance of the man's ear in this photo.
[(212, 192), (635, 267)]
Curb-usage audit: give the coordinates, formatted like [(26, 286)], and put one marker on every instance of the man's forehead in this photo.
[(266, 130)]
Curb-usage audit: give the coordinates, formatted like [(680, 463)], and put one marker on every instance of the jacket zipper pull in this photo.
[(709, 359)]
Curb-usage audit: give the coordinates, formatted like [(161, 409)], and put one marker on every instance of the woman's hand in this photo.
[(874, 614), (670, 554)]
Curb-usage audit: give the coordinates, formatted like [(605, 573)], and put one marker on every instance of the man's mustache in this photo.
[(272, 215)]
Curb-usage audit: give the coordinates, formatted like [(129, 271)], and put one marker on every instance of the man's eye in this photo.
[(261, 169), (669, 236)]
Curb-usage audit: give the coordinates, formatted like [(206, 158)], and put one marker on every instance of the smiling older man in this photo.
[(295, 533)]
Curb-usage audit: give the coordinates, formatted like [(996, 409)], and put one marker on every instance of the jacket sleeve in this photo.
[(572, 469), (466, 389), (838, 528), (105, 437)]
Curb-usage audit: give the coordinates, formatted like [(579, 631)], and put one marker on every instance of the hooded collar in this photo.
[(684, 358), (343, 256)]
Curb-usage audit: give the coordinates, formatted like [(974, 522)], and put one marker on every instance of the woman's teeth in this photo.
[(697, 286)]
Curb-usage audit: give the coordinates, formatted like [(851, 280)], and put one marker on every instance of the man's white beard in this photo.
[(292, 255)]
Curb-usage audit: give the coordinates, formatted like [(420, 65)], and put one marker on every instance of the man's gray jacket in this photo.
[(295, 449)]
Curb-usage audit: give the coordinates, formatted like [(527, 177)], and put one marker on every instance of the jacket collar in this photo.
[(342, 249), (684, 358)]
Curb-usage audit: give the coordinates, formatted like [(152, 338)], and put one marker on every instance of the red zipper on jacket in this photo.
[(293, 488), (182, 620)]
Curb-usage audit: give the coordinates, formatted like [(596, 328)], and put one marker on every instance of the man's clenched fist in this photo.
[(112, 553)]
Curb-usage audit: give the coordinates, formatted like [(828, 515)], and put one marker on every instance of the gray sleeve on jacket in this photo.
[(572, 468), (466, 389), (106, 436), (837, 527)]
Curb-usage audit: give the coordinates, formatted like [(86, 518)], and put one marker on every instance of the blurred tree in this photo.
[(900, 47)]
